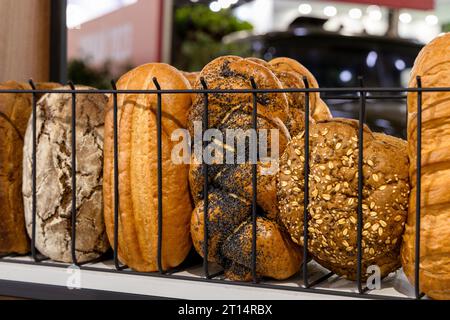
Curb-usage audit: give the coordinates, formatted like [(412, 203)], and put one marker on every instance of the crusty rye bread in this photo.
[(433, 65), (334, 196), (53, 176), (15, 110), (138, 187)]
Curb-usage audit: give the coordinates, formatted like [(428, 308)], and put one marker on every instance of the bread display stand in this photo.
[(50, 280), (34, 277)]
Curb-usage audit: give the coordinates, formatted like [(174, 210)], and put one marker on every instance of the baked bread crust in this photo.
[(334, 196), (230, 193), (53, 179), (15, 110), (138, 187), (291, 73), (192, 77), (433, 65)]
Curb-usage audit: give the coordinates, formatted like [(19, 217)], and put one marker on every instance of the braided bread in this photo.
[(230, 194), (333, 198)]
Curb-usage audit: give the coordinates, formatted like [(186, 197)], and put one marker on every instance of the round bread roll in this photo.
[(433, 65), (291, 73), (138, 171), (334, 196), (231, 192), (192, 77), (53, 176)]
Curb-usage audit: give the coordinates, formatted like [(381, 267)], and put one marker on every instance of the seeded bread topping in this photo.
[(230, 191), (333, 198)]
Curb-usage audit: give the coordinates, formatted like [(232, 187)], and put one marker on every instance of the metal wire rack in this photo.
[(361, 94)]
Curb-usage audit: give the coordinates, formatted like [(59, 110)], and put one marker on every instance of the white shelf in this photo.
[(395, 286)]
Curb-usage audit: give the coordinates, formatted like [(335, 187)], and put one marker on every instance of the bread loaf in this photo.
[(334, 196), (229, 207), (138, 187), (433, 65), (53, 176), (15, 110), (192, 77), (291, 73)]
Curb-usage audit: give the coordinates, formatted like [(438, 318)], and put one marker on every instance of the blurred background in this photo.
[(338, 41)]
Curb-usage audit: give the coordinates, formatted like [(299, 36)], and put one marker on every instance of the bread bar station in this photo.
[(97, 195)]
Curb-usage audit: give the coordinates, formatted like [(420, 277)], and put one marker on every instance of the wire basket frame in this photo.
[(360, 94)]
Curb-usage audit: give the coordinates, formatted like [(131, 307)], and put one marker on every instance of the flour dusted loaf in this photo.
[(53, 181), (15, 110), (334, 196), (433, 65), (138, 187), (230, 193)]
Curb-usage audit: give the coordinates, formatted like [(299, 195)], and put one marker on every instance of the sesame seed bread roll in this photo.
[(334, 196), (433, 65)]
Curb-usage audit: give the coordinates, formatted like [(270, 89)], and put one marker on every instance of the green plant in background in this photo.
[(200, 32), (81, 72), (446, 27)]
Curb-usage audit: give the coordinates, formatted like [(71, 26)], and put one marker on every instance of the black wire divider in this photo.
[(357, 93)]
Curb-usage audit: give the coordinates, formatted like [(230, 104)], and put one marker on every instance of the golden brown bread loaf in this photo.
[(230, 184), (433, 65), (138, 188), (15, 110), (291, 73), (334, 196), (192, 77)]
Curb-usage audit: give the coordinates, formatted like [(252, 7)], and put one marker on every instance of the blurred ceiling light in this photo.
[(224, 4), (355, 13), (194, 1), (345, 76), (400, 64), (375, 15), (405, 17), (330, 11), (74, 16), (372, 59), (129, 2), (431, 19), (373, 8), (304, 8), (215, 6)]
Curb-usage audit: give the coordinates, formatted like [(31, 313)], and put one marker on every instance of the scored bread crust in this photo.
[(333, 196), (138, 187), (15, 110), (433, 65)]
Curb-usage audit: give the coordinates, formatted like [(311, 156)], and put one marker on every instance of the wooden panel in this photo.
[(24, 40)]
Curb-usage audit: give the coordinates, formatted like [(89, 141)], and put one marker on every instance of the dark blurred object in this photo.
[(446, 27), (199, 33), (81, 72), (337, 60), (307, 22)]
